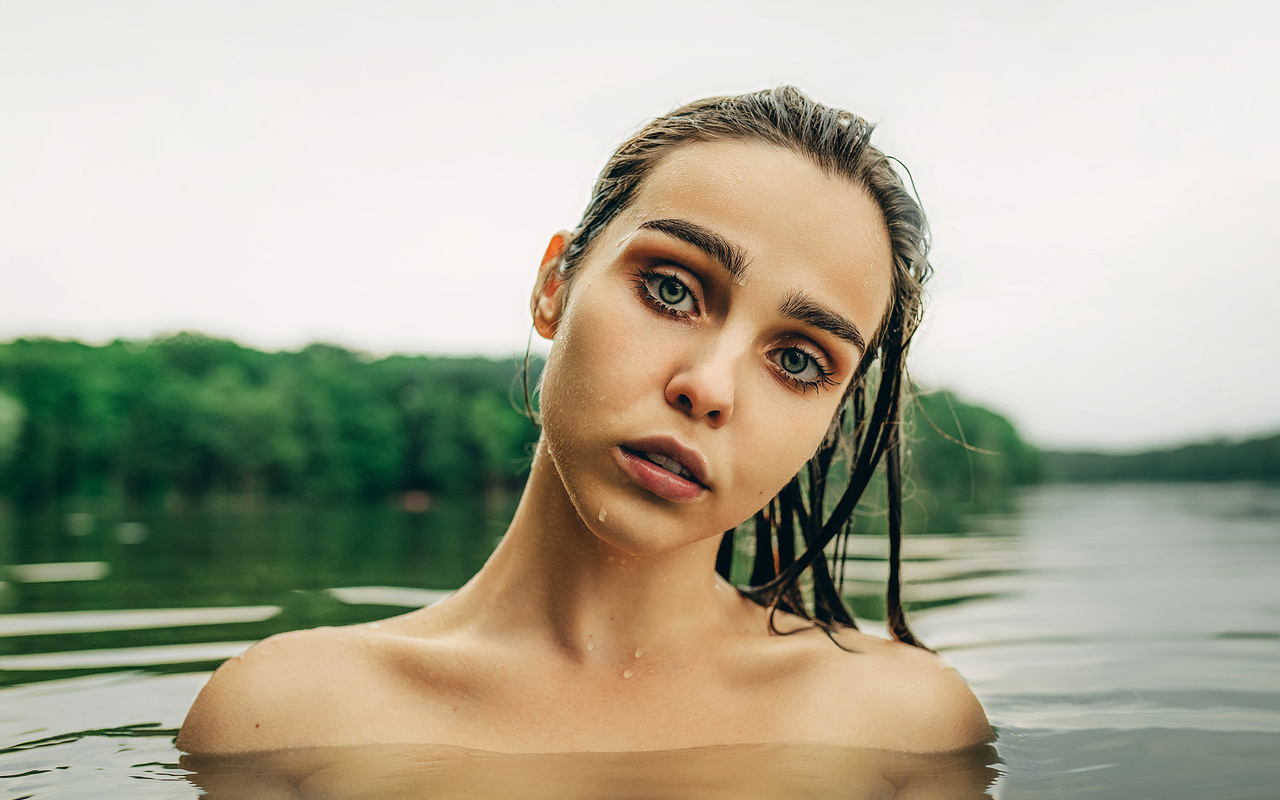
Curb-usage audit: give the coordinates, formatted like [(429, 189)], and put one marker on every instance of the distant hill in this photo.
[(1252, 459)]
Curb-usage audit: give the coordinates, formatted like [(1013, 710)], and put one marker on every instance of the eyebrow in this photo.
[(802, 309), (728, 254)]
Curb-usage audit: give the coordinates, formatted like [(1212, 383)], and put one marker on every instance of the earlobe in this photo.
[(547, 298)]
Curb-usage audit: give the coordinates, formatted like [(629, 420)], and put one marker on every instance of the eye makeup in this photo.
[(667, 292), (802, 367)]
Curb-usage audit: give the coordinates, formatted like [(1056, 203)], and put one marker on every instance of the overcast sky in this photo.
[(1103, 178)]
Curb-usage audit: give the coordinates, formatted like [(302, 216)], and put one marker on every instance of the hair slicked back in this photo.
[(810, 510)]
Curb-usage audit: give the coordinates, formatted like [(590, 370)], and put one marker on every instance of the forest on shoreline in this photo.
[(1256, 458), (181, 419)]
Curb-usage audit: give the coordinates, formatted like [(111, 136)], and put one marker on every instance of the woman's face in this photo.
[(703, 346)]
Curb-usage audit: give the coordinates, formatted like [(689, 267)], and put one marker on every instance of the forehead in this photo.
[(801, 229)]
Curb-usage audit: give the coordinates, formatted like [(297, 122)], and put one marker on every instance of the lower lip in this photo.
[(664, 484)]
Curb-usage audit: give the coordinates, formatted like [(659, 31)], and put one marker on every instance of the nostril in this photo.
[(684, 401)]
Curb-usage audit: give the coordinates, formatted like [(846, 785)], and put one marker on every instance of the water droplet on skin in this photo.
[(591, 646), (639, 652), (373, 625), (603, 514), (627, 673)]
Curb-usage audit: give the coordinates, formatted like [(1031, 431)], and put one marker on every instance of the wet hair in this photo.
[(864, 434)]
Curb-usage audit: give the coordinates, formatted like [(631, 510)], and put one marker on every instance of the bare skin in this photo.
[(599, 623), (717, 772)]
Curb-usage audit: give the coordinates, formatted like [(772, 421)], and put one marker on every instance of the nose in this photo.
[(703, 387)]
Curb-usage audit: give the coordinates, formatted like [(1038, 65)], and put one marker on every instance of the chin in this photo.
[(641, 544), (639, 529)]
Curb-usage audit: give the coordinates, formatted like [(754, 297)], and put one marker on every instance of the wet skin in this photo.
[(734, 772), (698, 356), (623, 367)]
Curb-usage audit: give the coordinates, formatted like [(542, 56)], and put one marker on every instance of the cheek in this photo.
[(599, 366), (775, 445)]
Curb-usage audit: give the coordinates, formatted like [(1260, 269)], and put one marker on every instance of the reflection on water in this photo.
[(86, 621), (59, 572), (1124, 639), (741, 772), (202, 584)]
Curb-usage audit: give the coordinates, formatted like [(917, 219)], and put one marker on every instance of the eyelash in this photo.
[(641, 284), (819, 383)]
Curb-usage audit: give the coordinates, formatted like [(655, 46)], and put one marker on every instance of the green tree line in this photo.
[(193, 415), (965, 454), (190, 416), (1252, 459)]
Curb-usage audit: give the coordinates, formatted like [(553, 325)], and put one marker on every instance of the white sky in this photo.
[(1103, 177)]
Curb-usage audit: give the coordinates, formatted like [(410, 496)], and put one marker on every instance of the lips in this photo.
[(665, 467), (670, 465)]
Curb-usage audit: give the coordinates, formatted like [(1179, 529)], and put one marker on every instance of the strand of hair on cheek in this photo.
[(783, 586), (782, 591), (868, 450)]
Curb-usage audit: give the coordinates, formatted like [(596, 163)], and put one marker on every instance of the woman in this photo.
[(745, 268)]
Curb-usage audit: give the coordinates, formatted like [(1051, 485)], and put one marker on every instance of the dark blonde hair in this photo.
[(865, 430)]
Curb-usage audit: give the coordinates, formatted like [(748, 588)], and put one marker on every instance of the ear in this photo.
[(548, 293)]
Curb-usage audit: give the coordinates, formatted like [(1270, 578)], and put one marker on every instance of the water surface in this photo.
[(1124, 639)]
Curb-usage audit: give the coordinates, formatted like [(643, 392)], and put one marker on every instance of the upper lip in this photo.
[(688, 458)]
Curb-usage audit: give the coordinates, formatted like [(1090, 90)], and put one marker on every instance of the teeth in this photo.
[(670, 464)]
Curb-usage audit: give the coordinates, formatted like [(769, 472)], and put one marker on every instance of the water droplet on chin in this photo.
[(627, 673), (639, 652), (591, 646), (603, 514)]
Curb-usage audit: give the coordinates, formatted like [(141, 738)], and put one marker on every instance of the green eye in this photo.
[(671, 291), (667, 294), (794, 361)]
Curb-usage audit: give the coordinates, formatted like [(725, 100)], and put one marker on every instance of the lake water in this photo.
[(1125, 640)]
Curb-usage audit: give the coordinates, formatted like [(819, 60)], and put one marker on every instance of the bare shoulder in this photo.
[(282, 692), (890, 695)]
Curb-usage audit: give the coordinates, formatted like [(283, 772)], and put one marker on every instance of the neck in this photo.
[(552, 578)]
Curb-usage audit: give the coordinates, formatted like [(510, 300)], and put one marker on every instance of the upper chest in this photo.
[(512, 701)]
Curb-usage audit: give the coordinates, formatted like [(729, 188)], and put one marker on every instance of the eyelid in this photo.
[(811, 349), (822, 361), (670, 269), (665, 267), (660, 248)]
